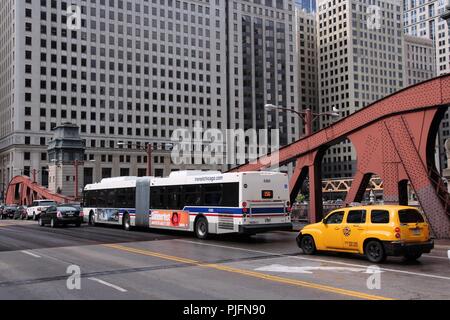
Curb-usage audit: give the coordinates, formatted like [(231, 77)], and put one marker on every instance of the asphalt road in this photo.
[(116, 264)]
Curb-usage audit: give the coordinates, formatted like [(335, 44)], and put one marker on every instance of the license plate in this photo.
[(70, 214), (416, 232)]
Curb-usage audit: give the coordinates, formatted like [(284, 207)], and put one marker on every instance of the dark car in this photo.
[(61, 215), (10, 211), (21, 213)]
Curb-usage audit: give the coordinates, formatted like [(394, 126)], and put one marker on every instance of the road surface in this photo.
[(43, 263)]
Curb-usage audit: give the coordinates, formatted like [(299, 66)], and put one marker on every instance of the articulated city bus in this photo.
[(205, 202)]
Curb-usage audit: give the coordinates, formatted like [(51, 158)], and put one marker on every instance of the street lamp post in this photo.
[(149, 159), (76, 163), (307, 116)]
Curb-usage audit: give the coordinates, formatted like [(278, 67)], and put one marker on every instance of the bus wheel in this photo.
[(201, 228), (126, 222)]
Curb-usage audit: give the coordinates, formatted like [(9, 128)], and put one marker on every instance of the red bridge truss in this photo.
[(22, 190), (393, 138)]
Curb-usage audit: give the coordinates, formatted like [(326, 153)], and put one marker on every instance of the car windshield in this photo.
[(410, 216)]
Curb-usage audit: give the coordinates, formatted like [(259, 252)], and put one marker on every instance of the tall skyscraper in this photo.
[(134, 71), (419, 59), (306, 5), (307, 61), (422, 18), (360, 57), (262, 66)]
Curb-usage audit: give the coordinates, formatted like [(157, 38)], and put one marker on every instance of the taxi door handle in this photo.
[(336, 228)]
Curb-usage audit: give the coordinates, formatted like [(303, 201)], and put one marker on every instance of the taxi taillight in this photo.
[(397, 233)]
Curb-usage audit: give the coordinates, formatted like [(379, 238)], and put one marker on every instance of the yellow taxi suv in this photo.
[(374, 231)]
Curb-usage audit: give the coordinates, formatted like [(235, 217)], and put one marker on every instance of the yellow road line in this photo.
[(249, 273)]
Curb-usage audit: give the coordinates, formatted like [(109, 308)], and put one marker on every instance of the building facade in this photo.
[(262, 66), (360, 57), (131, 72), (308, 6), (419, 58), (306, 34)]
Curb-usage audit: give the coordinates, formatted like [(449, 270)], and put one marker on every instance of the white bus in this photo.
[(205, 202)]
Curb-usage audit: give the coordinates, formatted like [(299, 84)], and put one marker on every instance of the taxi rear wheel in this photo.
[(307, 245), (374, 251)]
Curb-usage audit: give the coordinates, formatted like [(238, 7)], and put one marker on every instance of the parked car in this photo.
[(10, 211), (34, 211), (21, 213), (375, 231), (61, 215)]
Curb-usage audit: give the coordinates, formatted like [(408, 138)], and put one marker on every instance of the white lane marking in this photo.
[(309, 269), (448, 253), (108, 284), (318, 260), (30, 254), (434, 257)]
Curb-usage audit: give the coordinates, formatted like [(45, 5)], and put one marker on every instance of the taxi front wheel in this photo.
[(307, 244), (374, 251)]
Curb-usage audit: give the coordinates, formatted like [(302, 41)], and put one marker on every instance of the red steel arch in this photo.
[(22, 190), (393, 138)]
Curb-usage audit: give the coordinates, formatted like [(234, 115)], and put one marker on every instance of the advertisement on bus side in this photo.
[(170, 218)]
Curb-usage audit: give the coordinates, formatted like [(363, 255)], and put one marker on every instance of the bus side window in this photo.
[(110, 196), (174, 195), (93, 198), (192, 195), (131, 197), (120, 198), (213, 194), (101, 198), (230, 195)]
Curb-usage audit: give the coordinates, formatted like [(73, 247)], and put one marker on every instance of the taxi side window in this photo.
[(335, 218), (356, 216), (379, 216)]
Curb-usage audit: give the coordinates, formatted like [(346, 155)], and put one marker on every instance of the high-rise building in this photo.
[(419, 59), (422, 18), (306, 5), (360, 57), (307, 61), (262, 66), (133, 72)]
